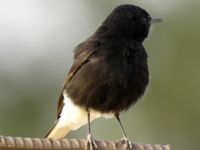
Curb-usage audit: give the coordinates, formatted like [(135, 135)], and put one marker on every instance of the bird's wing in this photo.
[(82, 54)]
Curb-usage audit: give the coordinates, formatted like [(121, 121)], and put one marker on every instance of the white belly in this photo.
[(73, 116)]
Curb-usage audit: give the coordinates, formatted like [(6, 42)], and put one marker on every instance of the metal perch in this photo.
[(19, 143)]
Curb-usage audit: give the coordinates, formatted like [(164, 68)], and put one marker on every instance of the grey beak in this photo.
[(156, 20)]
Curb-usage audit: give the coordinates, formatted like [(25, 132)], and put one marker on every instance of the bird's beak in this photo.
[(156, 20)]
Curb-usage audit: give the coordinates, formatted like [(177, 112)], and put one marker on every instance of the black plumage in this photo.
[(110, 69)]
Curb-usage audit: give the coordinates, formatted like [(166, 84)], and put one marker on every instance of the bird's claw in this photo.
[(91, 144), (125, 142)]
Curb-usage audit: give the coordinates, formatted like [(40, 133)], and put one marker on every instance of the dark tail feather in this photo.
[(51, 129), (57, 131)]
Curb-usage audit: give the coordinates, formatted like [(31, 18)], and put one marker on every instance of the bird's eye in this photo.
[(144, 20)]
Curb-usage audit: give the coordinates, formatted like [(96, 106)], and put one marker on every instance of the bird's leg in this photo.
[(124, 140), (90, 145)]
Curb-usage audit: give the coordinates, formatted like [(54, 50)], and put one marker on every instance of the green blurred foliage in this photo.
[(167, 114)]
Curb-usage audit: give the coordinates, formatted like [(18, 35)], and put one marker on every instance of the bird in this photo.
[(109, 73)]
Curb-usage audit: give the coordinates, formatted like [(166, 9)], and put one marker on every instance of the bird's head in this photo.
[(128, 21)]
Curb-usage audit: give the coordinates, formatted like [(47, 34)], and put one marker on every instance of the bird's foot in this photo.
[(91, 144), (124, 142)]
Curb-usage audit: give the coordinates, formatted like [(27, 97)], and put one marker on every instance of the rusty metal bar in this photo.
[(19, 143)]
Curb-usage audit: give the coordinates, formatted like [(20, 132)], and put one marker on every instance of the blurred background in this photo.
[(36, 43)]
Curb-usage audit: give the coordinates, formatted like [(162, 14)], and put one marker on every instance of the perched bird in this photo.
[(109, 73)]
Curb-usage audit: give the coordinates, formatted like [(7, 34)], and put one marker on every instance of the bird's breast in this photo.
[(108, 84)]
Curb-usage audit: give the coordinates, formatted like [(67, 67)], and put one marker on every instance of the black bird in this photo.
[(109, 74)]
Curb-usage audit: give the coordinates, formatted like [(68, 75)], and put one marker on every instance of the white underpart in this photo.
[(73, 116)]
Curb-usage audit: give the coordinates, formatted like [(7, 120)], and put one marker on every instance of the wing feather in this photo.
[(82, 54)]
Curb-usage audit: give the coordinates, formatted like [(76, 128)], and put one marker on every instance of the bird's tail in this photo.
[(57, 131)]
